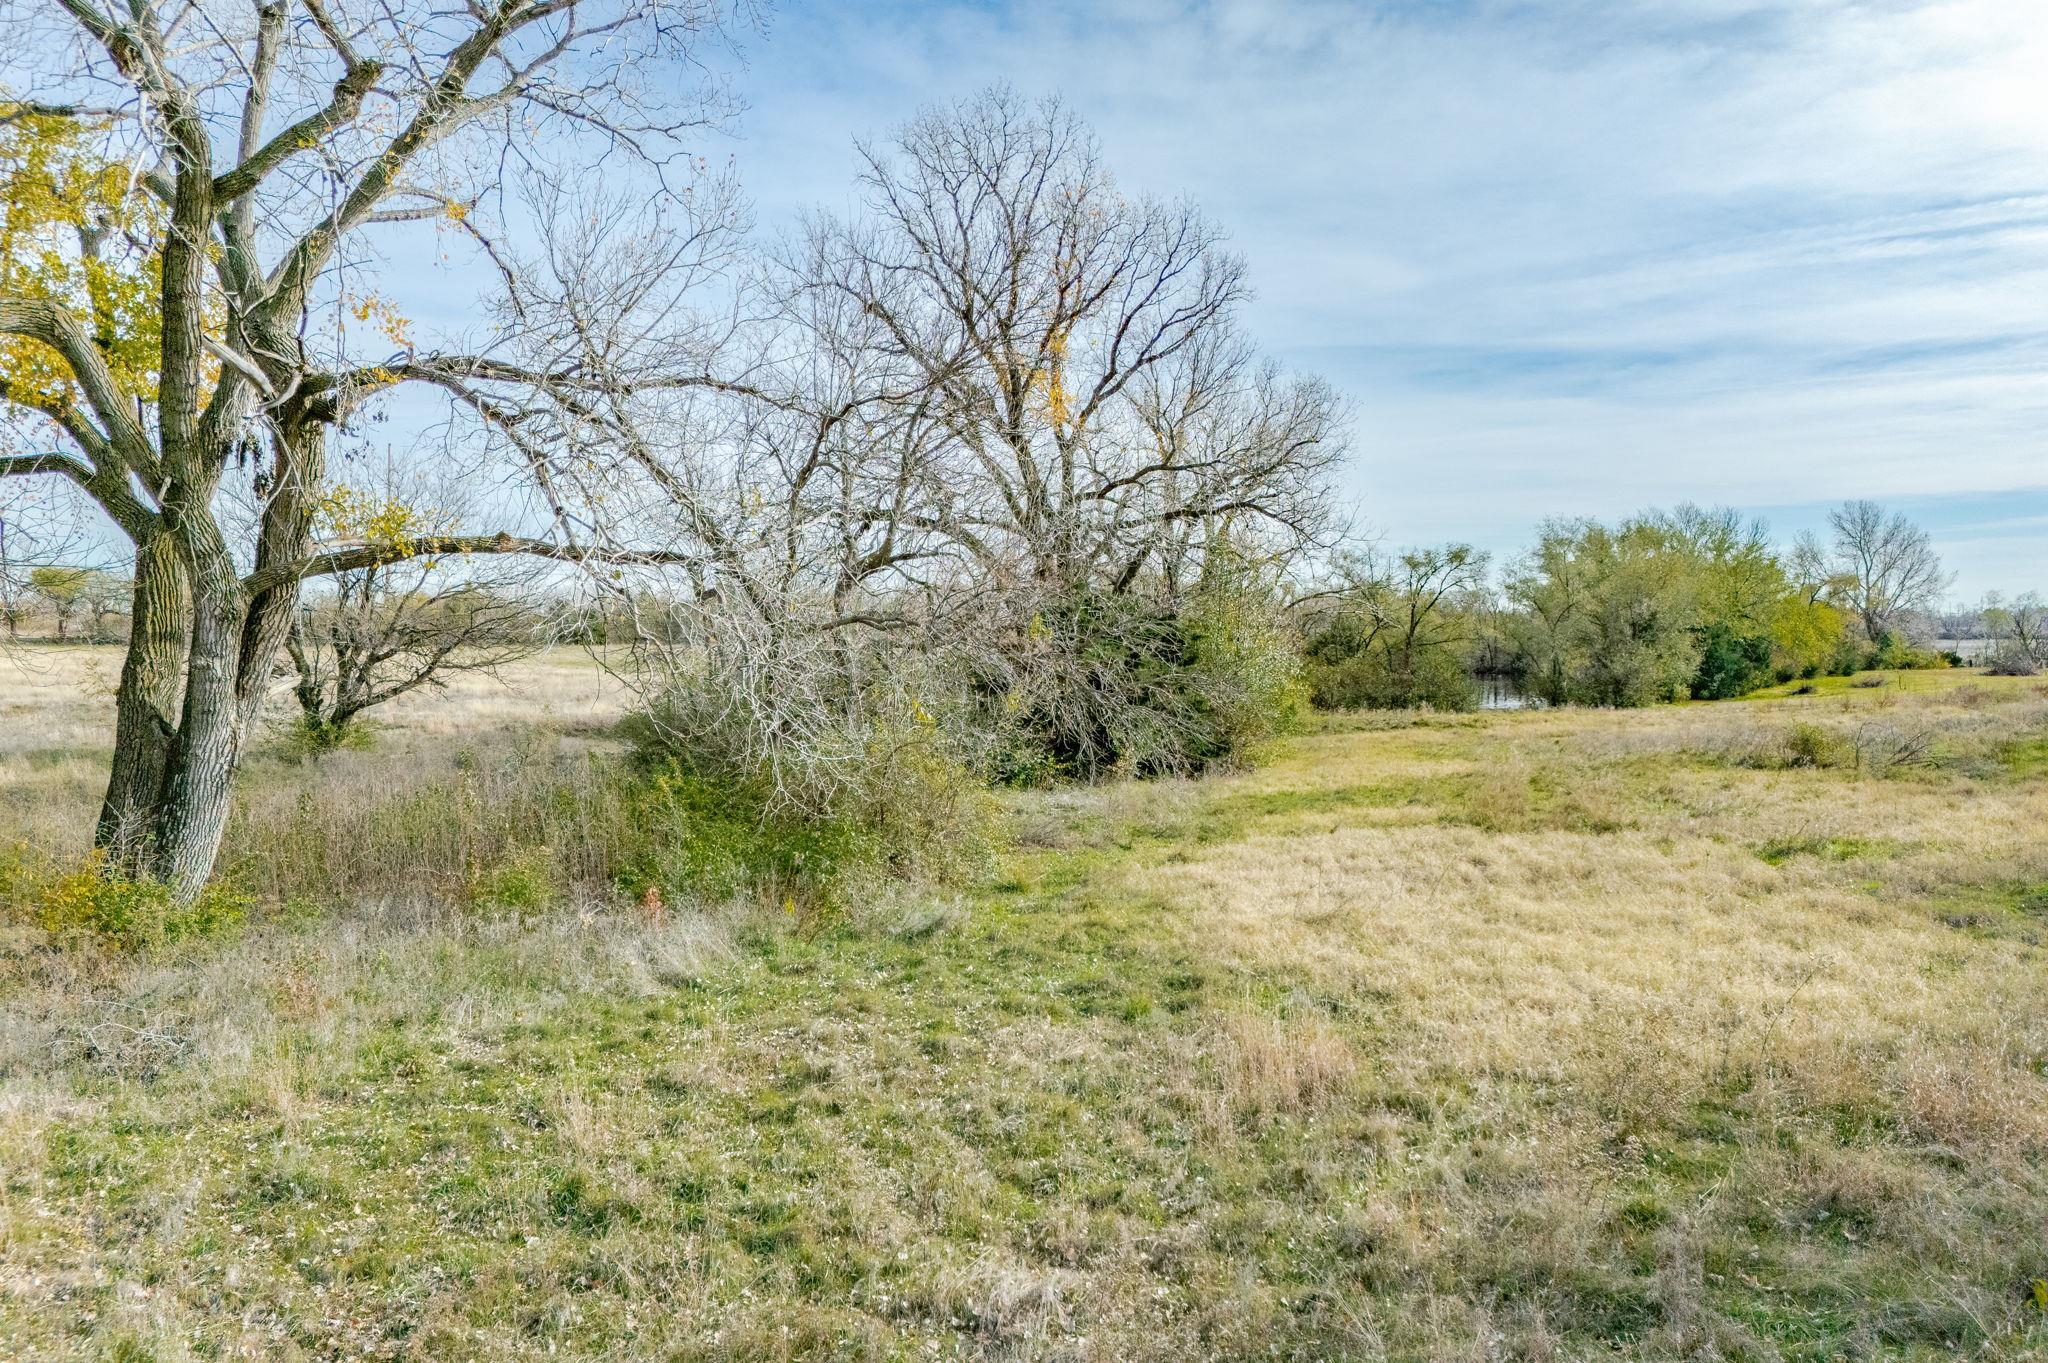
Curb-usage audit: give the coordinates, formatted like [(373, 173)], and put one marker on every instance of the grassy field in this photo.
[(1712, 1031)]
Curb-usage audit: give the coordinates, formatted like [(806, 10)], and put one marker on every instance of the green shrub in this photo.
[(1378, 680), (1807, 636), (1106, 682), (1730, 664), (901, 804), (1094, 687), (527, 830), (523, 883), (91, 900), (1810, 745), (306, 737), (1895, 653), (716, 839), (1245, 676)]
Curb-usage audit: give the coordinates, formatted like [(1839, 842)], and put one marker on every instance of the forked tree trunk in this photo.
[(203, 652)]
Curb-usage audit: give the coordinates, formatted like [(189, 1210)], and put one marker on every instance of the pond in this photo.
[(1503, 693)]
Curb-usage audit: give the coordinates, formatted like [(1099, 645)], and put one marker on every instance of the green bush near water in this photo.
[(1111, 683)]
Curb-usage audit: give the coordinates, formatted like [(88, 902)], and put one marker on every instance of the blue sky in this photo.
[(1567, 256)]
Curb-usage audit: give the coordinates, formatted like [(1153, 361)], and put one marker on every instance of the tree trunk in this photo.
[(234, 644), (146, 709), (199, 779)]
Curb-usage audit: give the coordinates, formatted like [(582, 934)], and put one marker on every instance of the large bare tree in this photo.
[(243, 156), (1886, 565), (1002, 389), (1082, 422), (1096, 414), (367, 636)]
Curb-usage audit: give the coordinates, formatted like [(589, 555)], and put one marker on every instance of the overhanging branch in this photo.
[(436, 546), (48, 461)]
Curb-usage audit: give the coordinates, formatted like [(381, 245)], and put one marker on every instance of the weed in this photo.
[(91, 900)]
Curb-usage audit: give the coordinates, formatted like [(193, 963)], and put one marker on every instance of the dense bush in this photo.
[(1245, 676), (1807, 636), (1731, 664), (1112, 682), (1810, 745), (1607, 615), (1894, 652), (898, 799), (529, 829), (1377, 681), (1401, 631)]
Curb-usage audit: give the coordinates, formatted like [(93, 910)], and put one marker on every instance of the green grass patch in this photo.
[(2026, 759), (1778, 851)]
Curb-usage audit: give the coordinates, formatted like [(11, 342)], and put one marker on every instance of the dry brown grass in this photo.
[(56, 730), (1565, 1035)]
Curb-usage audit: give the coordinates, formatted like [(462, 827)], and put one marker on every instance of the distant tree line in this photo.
[(74, 603), (1689, 603)]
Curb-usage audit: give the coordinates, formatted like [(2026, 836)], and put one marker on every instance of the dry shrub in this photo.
[(1967, 1098), (1882, 747), (1645, 1064), (525, 822), (1810, 745), (1859, 1193), (1016, 1305), (1500, 803), (1774, 748)]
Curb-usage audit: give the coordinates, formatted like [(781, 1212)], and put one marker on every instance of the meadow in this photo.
[(1703, 1031)]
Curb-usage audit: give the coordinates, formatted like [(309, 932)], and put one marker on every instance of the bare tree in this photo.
[(1811, 569), (1072, 416), (2018, 629), (1003, 389), (1887, 565), (105, 596), (35, 533), (1401, 623), (370, 634), (1093, 413), (61, 590), (265, 146), (387, 630), (14, 600)]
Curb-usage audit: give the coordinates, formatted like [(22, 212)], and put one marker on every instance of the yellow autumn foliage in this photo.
[(356, 515), (78, 230)]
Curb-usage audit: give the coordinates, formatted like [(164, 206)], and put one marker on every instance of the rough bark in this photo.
[(146, 707), (199, 779)]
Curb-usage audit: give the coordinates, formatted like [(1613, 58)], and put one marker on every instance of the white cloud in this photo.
[(1567, 253)]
